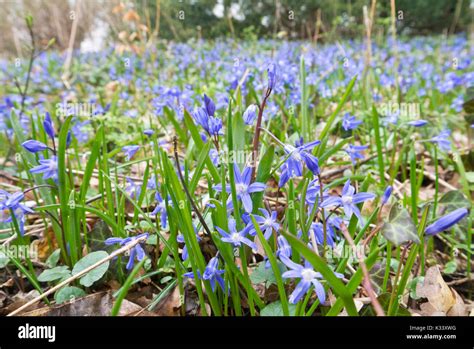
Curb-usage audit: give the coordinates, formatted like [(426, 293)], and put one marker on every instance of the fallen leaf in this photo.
[(97, 304), (441, 297)]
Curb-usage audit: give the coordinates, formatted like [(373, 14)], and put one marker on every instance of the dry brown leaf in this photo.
[(97, 304), (170, 305), (442, 299), (131, 16), (459, 308)]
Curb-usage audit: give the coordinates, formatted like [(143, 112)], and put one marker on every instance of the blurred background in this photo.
[(91, 24)]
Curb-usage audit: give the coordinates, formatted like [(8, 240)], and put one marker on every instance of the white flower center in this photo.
[(268, 222), (235, 237), (296, 155), (347, 199), (308, 274), (241, 188)]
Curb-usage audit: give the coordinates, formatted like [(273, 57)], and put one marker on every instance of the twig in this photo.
[(366, 282), (256, 138), (181, 178), (80, 274)]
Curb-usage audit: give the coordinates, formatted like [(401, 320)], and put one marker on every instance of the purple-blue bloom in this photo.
[(236, 238), (48, 167), (34, 146), (271, 71), (446, 222), (348, 200), (136, 252), (299, 154), (386, 194), (180, 239), (417, 123), (355, 152), (209, 105), (161, 208), (130, 151), (266, 223), (318, 231), (48, 126), (442, 140), (11, 204), (250, 114), (132, 189), (349, 122), (243, 187), (307, 277), (211, 273)]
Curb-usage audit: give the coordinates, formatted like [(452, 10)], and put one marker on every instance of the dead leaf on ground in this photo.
[(97, 304), (442, 299), (170, 305)]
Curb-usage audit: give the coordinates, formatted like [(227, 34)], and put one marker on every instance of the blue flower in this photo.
[(417, 123), (136, 252), (132, 189), (48, 126), (211, 273), (148, 132), (349, 122), (215, 126), (250, 114), (271, 71), (348, 200), (446, 222), (161, 208), (68, 139), (34, 146), (308, 277), (11, 203), (318, 231), (209, 105), (212, 125), (236, 238), (285, 175), (180, 239), (267, 223), (284, 248), (243, 187), (49, 168), (386, 194), (442, 140), (299, 154), (130, 151), (354, 151)]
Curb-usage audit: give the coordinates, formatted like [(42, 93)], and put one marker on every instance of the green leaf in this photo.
[(450, 267), (412, 286), (400, 227), (468, 104), (238, 135), (3, 260), (265, 275), (325, 132), (453, 200), (196, 136), (96, 273), (55, 273), (263, 174), (470, 177), (68, 293), (53, 258), (275, 309)]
